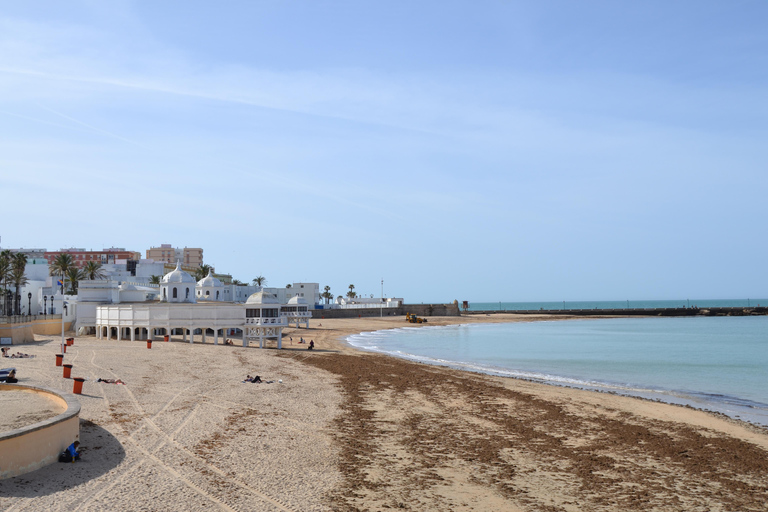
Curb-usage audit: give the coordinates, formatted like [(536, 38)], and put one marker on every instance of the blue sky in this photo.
[(458, 150)]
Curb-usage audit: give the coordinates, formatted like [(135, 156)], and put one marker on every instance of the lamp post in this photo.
[(382, 297), (63, 312), (29, 307), (45, 304)]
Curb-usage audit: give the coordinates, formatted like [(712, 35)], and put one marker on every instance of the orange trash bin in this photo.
[(167, 338), (59, 359), (78, 387), (67, 371), (149, 343)]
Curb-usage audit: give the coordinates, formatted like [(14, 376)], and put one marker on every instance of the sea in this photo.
[(712, 363)]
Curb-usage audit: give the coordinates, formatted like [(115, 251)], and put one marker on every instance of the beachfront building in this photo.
[(263, 318), (177, 312), (297, 310), (211, 288)]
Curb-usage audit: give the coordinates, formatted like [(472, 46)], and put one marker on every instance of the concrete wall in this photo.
[(23, 329), (426, 310), (30, 448)]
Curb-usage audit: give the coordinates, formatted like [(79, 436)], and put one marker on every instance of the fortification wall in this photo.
[(415, 309)]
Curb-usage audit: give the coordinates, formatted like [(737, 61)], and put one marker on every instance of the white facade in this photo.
[(297, 311), (310, 292)]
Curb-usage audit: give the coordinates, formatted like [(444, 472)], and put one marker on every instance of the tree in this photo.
[(74, 275), (92, 270), (238, 282), (19, 277), (154, 279), (5, 276), (260, 281), (202, 271), (287, 286), (351, 293), (327, 295), (61, 266)]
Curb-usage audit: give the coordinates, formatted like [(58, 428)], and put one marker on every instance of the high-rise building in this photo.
[(188, 256)]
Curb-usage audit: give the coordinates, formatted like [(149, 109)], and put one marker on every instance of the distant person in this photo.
[(111, 381), (5, 350), (71, 454), (11, 378), (311, 345)]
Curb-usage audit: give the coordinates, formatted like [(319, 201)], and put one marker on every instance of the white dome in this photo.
[(262, 298), (209, 280), (297, 300), (178, 276)]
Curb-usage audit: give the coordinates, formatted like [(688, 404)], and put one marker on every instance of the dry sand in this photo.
[(354, 431)]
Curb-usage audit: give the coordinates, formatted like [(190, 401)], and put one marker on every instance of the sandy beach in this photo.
[(347, 430)]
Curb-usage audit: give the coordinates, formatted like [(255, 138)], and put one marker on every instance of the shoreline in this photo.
[(351, 431), (581, 446), (597, 387)]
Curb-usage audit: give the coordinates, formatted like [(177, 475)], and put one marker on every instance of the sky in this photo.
[(480, 151)]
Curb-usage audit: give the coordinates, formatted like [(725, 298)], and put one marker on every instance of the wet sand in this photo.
[(348, 430)]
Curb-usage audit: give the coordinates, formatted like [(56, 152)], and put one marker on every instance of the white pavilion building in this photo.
[(178, 312)]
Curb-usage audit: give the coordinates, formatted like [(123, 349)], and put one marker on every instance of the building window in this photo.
[(187, 294), (175, 294)]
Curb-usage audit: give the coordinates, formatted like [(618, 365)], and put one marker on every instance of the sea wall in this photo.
[(633, 312), (415, 309), (21, 329)]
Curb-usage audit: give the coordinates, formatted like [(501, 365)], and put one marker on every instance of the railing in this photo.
[(296, 314), (266, 321), (21, 319)]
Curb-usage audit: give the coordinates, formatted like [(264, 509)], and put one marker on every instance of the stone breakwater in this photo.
[(634, 312)]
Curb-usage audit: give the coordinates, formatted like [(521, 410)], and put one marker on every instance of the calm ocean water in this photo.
[(616, 304), (716, 363)]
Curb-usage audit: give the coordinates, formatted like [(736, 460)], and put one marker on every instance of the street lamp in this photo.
[(29, 308), (382, 298), (64, 312), (45, 304)]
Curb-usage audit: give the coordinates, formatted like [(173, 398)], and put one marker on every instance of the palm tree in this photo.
[(202, 271), (5, 275), (18, 276), (351, 293), (259, 281), (61, 266), (327, 295), (287, 286), (238, 282), (154, 279), (92, 270), (74, 275)]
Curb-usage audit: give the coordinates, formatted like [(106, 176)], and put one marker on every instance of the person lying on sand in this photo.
[(11, 378), (228, 342), (19, 355), (255, 379), (112, 381)]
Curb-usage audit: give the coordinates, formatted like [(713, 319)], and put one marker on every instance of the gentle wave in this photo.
[(735, 406)]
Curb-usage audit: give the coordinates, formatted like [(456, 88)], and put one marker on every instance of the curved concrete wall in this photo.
[(26, 449)]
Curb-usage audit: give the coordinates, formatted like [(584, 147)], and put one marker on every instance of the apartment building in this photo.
[(188, 256), (80, 257)]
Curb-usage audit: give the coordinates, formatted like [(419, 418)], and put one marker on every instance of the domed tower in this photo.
[(210, 288), (178, 286)]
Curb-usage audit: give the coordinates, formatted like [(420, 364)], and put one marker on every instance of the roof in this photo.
[(209, 280), (262, 298), (178, 276)]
